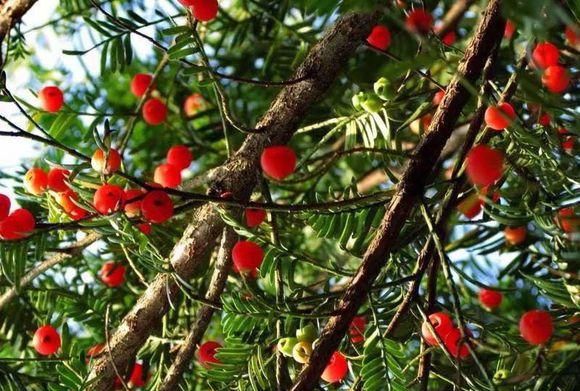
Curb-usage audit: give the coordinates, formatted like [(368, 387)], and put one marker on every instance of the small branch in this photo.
[(453, 16)]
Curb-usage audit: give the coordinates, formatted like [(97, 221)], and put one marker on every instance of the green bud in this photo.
[(302, 351), (383, 89), (285, 345), (372, 104), (307, 333), (501, 375), (358, 99)]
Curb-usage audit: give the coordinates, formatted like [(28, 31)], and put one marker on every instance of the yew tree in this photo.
[(290, 195)]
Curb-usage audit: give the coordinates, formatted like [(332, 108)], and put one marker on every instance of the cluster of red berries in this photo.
[(202, 10), (16, 225), (154, 111), (555, 77), (178, 158), (447, 332)]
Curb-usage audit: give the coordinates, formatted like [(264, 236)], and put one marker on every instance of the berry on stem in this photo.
[(569, 221), (545, 54), (484, 165), (145, 228), (206, 353), (254, 217), (380, 37), (112, 274), (108, 199), (438, 97), (247, 256), (106, 162), (536, 327), (452, 343), (19, 224), (556, 79), (46, 340), (204, 10), (157, 207), (154, 111), (336, 369), (57, 178), (138, 377), (419, 21), (35, 181), (442, 324), (140, 83), (66, 200), (278, 162), (167, 175), (179, 156), (51, 99), (449, 38), (489, 298), (499, 117), (510, 29), (515, 235)]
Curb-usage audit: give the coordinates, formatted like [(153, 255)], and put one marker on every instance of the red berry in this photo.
[(336, 369), (249, 274), (36, 181), (140, 83), (204, 10), (509, 30), (17, 225), (4, 206), (544, 119), (133, 199), (515, 235), (145, 228), (46, 340), (106, 166), (138, 376), (154, 111), (484, 165), (545, 54), (67, 200), (108, 199), (419, 21), (51, 99), (247, 255), (569, 220), (380, 37), (193, 103), (207, 352), (489, 298), (112, 274), (438, 97), (167, 175), (442, 324), (179, 156), (556, 79), (568, 144), (278, 162), (499, 117), (449, 38), (452, 343), (57, 178), (255, 217), (470, 206), (356, 330), (157, 207), (536, 327)]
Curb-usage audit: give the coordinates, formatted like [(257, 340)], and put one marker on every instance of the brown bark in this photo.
[(488, 34), (239, 176), (11, 11)]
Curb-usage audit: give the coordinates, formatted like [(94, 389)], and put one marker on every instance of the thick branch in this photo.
[(239, 176), (488, 34), (11, 11)]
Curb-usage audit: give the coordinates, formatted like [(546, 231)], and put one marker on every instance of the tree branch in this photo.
[(488, 34), (11, 12)]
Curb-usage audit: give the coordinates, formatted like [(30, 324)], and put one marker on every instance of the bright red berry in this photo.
[(36, 181), (356, 330), (19, 224), (140, 83), (4, 206), (545, 54), (454, 345), (179, 156), (255, 217), (419, 21), (442, 324), (509, 30), (449, 38), (167, 175), (138, 377), (484, 165), (193, 103), (438, 97), (536, 327), (336, 369), (278, 162), (154, 111), (207, 351), (67, 201), (515, 235), (51, 99), (499, 117), (108, 199), (556, 79), (157, 207), (380, 37), (57, 178), (46, 340), (106, 162), (112, 274), (204, 10), (489, 298), (247, 255), (470, 206), (145, 228)]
